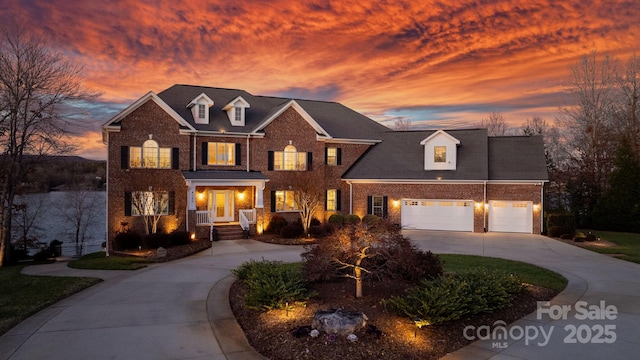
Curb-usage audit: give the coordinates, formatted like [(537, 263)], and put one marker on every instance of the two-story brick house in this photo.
[(224, 156)]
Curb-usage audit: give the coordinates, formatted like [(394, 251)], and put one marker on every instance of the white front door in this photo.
[(221, 205)]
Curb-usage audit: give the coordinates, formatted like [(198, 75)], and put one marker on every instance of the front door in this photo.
[(221, 205)]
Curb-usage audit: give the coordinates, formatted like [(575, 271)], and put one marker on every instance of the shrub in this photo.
[(154, 241), (555, 231), (314, 222), (336, 219), (564, 221), (180, 238), (457, 296), (270, 284), (317, 231), (42, 255), (399, 258), (371, 220), (352, 219), (291, 231), (276, 224), (127, 240)]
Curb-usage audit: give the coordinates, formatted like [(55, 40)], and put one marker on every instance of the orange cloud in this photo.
[(458, 59)]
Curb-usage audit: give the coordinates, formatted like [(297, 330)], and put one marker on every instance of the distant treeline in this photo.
[(53, 173)]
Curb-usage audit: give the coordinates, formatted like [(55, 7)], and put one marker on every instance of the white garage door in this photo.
[(453, 215), (511, 216)]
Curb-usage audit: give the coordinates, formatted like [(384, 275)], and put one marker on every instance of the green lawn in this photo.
[(98, 261), (628, 244), (528, 273), (23, 295)]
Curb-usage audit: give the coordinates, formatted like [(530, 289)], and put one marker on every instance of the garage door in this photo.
[(511, 216), (454, 215)]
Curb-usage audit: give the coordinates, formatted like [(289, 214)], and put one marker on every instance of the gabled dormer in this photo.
[(440, 151), (236, 111), (200, 108)]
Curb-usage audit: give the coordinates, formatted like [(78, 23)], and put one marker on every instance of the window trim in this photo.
[(439, 154), (285, 196), (150, 153), (290, 159), (130, 209)]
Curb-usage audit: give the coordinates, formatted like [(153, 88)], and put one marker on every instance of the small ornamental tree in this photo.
[(151, 206), (308, 196)]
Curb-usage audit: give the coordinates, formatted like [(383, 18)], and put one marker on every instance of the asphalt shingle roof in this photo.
[(517, 158), (223, 175)]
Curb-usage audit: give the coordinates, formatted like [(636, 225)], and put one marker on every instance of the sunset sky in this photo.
[(436, 63)]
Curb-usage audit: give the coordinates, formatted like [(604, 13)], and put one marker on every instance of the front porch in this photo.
[(224, 198)]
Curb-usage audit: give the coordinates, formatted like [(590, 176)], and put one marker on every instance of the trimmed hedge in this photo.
[(271, 284), (457, 296), (560, 224)]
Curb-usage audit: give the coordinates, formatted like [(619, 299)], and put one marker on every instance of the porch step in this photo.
[(229, 232)]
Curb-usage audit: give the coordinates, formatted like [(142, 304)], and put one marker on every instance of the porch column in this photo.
[(259, 198), (191, 201)]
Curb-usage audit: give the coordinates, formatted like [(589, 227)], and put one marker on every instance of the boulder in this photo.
[(338, 321)]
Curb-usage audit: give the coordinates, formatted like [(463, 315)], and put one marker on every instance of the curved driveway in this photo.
[(179, 310)]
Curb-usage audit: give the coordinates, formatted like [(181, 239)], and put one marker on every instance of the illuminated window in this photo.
[(290, 159), (221, 153), (332, 156), (378, 206), (439, 154), (332, 200), (150, 156), (149, 203), (285, 201)]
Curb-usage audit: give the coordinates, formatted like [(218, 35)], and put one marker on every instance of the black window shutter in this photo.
[(385, 209), (238, 154), (127, 203), (171, 207), (339, 156), (273, 201), (205, 153), (124, 157), (309, 161), (369, 204), (175, 158), (270, 160), (326, 155), (338, 198)]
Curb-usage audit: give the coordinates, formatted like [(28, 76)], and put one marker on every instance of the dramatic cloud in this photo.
[(436, 63)]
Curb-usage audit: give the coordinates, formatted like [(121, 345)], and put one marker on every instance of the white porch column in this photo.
[(259, 198), (191, 202)]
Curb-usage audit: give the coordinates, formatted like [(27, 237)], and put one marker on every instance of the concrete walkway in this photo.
[(180, 310), (595, 281)]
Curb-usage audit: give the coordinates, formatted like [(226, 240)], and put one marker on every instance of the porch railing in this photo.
[(247, 217)]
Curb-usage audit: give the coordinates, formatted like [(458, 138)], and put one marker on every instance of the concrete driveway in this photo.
[(179, 310), (598, 285)]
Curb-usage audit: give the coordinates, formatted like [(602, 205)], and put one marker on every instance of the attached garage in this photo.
[(428, 214), (511, 216)]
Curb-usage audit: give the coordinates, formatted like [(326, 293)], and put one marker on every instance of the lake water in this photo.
[(51, 225)]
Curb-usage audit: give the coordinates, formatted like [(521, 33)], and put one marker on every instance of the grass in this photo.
[(23, 295), (99, 261), (528, 273), (628, 244)]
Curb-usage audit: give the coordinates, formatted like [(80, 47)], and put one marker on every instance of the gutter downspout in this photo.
[(106, 213), (248, 136), (541, 207), (350, 197), (194, 152), (484, 207)]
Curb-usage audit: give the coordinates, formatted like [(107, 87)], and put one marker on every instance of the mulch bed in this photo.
[(270, 333), (173, 252)]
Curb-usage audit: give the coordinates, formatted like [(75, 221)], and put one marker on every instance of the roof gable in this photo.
[(113, 122), (303, 113)]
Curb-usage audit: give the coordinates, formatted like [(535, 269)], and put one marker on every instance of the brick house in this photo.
[(223, 156)]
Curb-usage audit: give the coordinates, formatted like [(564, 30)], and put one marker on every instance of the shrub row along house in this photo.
[(200, 157)]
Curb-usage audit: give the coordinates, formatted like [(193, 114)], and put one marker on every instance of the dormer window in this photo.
[(440, 151), (439, 154), (236, 111), (200, 108)]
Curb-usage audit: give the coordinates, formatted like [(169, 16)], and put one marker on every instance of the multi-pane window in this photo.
[(221, 154), (439, 154), (332, 156), (332, 200), (238, 114), (201, 111), (285, 201), (377, 205), (149, 203), (150, 155), (290, 159)]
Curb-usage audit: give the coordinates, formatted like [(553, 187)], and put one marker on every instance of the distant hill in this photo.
[(51, 173)]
